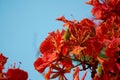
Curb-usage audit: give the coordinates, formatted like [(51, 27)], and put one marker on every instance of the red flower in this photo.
[(3, 60), (59, 71), (93, 47), (100, 11), (108, 73), (112, 47), (112, 3), (51, 50), (16, 74)]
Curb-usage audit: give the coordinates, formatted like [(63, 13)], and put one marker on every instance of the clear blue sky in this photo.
[(25, 23)]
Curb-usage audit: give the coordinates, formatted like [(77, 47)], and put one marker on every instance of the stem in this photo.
[(76, 65), (70, 58)]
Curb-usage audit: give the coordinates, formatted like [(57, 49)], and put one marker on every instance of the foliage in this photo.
[(93, 44)]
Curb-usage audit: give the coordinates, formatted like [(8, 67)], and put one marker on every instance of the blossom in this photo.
[(84, 44), (93, 47), (105, 8), (12, 73), (16, 73), (51, 50), (108, 73), (57, 70)]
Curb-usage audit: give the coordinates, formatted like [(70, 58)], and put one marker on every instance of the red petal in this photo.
[(86, 22), (62, 18), (83, 78), (76, 74), (40, 65), (93, 2), (46, 46), (3, 59), (118, 65), (47, 75)]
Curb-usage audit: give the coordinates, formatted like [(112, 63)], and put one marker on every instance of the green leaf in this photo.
[(99, 70), (66, 35), (102, 54)]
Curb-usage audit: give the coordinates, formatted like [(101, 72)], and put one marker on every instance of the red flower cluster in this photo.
[(86, 44), (12, 73)]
